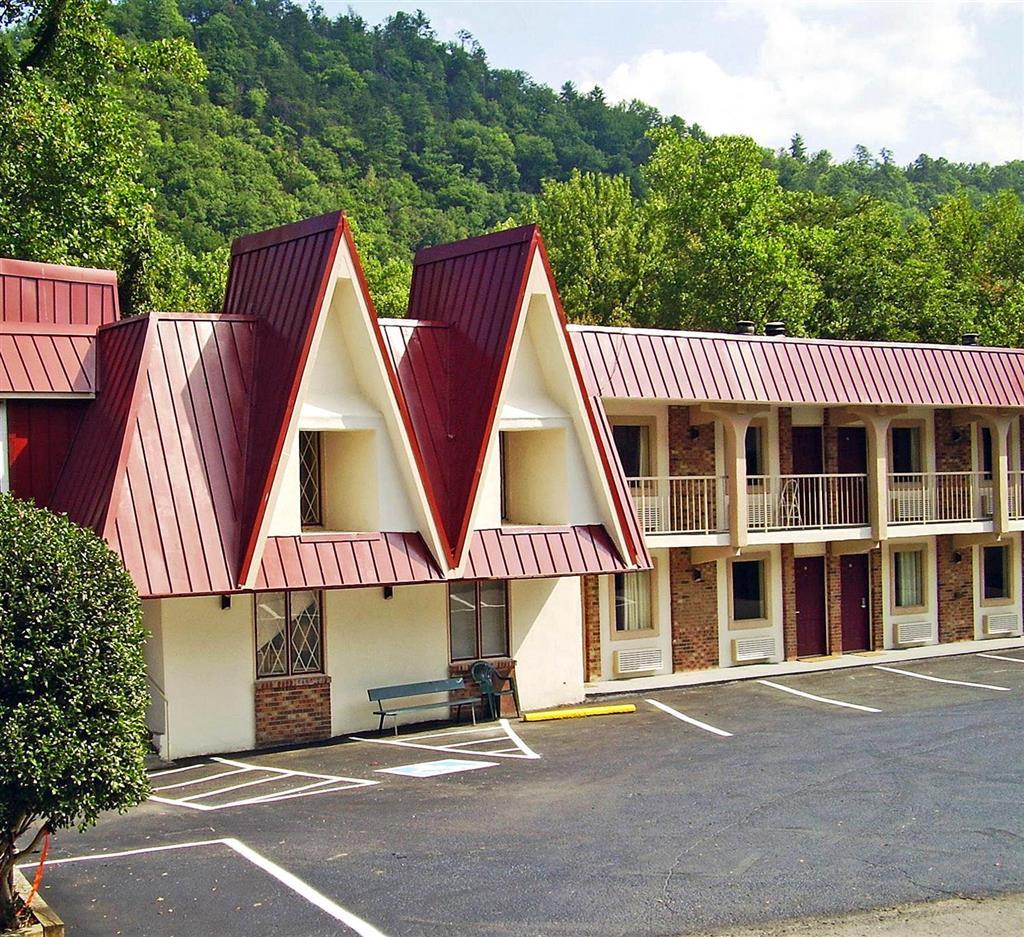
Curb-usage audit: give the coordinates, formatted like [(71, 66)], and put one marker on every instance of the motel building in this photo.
[(314, 502)]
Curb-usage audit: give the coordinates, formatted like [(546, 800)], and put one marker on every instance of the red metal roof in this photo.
[(324, 562), (694, 366), (542, 552), (40, 434), (47, 359), (159, 470), (280, 277), (51, 293)]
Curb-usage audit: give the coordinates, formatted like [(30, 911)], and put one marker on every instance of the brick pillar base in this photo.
[(293, 709), (788, 600), (504, 666), (877, 626), (591, 586), (834, 603), (694, 612)]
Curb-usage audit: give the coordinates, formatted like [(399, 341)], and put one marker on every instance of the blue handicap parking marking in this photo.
[(431, 769)]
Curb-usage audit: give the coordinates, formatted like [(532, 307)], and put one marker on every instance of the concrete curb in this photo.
[(47, 923)]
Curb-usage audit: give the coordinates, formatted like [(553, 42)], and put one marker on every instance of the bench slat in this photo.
[(415, 689), (392, 710)]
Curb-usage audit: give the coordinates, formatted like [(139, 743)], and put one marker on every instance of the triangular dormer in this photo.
[(343, 465)]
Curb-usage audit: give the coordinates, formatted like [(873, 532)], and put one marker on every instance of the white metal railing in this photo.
[(935, 497), (680, 504), (1016, 506), (794, 502)]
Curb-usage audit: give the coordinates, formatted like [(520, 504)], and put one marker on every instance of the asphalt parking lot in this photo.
[(716, 806)]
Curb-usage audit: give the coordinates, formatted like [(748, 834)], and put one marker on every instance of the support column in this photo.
[(999, 428), (734, 428), (876, 422)]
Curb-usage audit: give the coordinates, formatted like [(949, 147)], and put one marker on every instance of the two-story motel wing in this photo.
[(313, 501)]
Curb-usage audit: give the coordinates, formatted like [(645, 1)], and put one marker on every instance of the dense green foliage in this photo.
[(715, 238), (291, 113), (72, 680)]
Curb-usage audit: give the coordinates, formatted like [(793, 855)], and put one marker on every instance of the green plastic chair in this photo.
[(486, 676)]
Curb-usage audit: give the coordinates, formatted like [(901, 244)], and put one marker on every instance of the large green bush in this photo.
[(73, 692)]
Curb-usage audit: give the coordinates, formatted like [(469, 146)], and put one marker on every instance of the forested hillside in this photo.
[(286, 113)]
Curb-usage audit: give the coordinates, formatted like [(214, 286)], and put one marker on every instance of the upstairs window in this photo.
[(311, 480), (754, 449), (906, 450), (478, 619), (289, 634), (633, 444)]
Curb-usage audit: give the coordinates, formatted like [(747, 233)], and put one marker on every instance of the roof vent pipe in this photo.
[(775, 328), (744, 327), (969, 338)]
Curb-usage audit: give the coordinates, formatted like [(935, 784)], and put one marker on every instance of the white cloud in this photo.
[(900, 75)]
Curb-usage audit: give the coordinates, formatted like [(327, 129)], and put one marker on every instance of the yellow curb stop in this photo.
[(579, 712)]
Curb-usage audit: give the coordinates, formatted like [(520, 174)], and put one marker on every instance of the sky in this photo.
[(946, 79)]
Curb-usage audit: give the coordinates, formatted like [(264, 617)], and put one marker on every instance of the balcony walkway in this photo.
[(812, 665)]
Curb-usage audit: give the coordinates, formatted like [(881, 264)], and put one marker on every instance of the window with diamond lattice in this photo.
[(289, 633), (310, 498)]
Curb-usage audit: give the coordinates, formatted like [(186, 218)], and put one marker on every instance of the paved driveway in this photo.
[(715, 806)]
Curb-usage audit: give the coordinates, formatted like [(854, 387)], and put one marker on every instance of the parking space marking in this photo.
[(820, 699), (1015, 660), (521, 749), (293, 882), (690, 719), (433, 769), (923, 676), (321, 784)]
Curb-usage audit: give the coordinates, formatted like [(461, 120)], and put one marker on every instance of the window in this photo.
[(986, 452), (754, 448), (996, 572), (633, 444), (478, 619), (906, 450), (633, 604), (908, 578), (310, 499), (289, 634), (748, 590)]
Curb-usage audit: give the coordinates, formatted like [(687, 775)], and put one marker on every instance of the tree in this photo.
[(70, 147), (72, 681)]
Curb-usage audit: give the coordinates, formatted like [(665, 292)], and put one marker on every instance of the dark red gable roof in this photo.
[(542, 552), (474, 288), (280, 277)]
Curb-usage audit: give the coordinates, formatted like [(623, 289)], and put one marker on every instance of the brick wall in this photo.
[(694, 612), (293, 709), (830, 442), (956, 591), (788, 600), (689, 456), (951, 456), (504, 665), (877, 630), (833, 602), (785, 441), (591, 587)]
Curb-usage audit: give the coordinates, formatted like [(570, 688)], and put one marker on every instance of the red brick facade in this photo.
[(694, 612), (788, 600), (833, 602), (293, 709), (951, 454), (956, 591), (591, 586), (785, 441), (688, 456), (877, 629)]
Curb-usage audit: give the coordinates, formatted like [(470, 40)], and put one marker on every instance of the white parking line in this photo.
[(314, 897), (1015, 660), (820, 699), (921, 676), (690, 719), (521, 749)]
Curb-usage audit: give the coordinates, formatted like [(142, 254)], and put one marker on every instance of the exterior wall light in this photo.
[(389, 592), (694, 432), (225, 602), (698, 574)]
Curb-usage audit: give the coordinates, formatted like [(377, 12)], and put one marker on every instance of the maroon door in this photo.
[(810, 606), (807, 457), (854, 593), (807, 460), (852, 459)]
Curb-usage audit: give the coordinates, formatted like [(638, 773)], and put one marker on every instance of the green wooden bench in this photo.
[(382, 694)]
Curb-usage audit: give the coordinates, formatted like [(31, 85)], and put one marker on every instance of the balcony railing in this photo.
[(800, 502), (937, 497), (1016, 506), (690, 504)]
